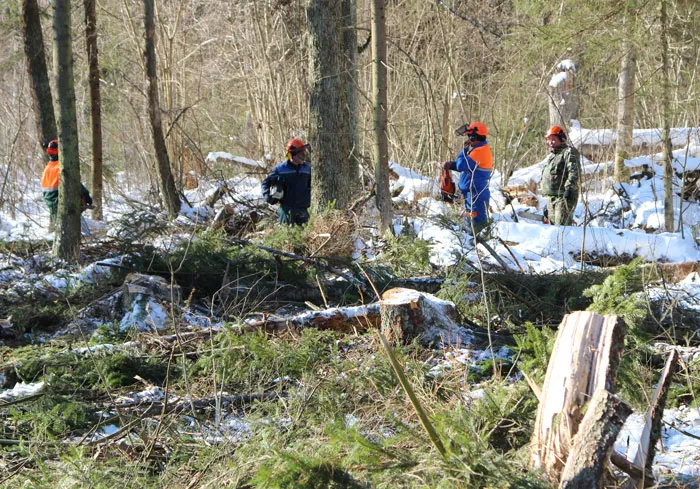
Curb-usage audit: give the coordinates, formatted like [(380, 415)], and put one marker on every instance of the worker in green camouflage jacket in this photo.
[(560, 178)]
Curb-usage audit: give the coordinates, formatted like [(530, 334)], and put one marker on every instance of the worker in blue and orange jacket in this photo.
[(49, 185), (475, 163)]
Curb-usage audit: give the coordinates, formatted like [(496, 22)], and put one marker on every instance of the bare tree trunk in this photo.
[(331, 121), (350, 75), (625, 112), (67, 243), (666, 151), (95, 106), (38, 73), (171, 200), (379, 98)]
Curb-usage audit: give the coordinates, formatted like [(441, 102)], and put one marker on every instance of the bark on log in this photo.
[(594, 441), (407, 314), (585, 358), (651, 433)]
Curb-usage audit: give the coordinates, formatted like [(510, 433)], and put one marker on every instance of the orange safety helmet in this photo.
[(556, 131), (477, 128), (473, 129), (52, 148), (295, 146)]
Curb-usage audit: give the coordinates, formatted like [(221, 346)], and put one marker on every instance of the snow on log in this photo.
[(345, 319), (585, 358), (594, 441), (407, 314)]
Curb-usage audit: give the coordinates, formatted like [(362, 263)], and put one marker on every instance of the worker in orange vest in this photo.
[(475, 163), (49, 185)]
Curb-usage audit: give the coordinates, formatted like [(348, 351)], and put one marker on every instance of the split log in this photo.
[(651, 433), (407, 314), (585, 358), (594, 441)]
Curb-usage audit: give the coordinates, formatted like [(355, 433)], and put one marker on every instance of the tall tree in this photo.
[(38, 73), (379, 100), (95, 106), (666, 151), (333, 104), (67, 242), (625, 111), (171, 200)]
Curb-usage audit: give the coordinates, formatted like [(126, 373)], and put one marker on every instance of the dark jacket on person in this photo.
[(296, 182), (562, 171)]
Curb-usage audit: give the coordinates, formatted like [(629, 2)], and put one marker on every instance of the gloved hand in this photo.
[(567, 193), (447, 165)]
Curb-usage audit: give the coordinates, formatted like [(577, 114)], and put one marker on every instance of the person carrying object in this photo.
[(560, 178), (49, 185), (475, 164), (289, 185)]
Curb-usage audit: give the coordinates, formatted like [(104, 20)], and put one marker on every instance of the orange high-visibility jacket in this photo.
[(49, 180)]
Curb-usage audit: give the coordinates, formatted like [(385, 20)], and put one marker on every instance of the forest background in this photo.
[(234, 77)]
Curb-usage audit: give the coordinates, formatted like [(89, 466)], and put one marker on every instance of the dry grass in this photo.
[(331, 234)]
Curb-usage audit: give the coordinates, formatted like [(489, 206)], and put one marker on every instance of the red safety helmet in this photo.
[(556, 131), (52, 148), (295, 146)]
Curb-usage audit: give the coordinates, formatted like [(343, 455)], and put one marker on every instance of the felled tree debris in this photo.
[(594, 441), (651, 433), (585, 359)]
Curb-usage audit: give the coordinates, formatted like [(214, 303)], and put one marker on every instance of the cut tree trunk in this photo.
[(594, 441), (585, 358), (407, 314)]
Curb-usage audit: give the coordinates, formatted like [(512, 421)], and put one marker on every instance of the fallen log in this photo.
[(585, 358), (594, 441)]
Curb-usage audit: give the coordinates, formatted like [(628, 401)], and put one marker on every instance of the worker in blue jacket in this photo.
[(475, 164), (289, 185)]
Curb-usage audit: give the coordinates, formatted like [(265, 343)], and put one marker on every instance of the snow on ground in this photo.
[(622, 223), (678, 453)]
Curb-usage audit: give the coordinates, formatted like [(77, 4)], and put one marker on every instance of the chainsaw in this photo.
[(447, 187)]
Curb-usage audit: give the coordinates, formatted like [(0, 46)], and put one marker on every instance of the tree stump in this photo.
[(407, 314), (585, 358)]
